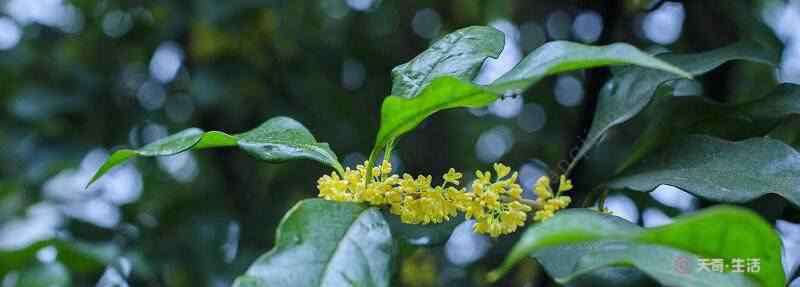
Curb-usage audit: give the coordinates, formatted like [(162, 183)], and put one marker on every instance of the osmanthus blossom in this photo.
[(494, 201)]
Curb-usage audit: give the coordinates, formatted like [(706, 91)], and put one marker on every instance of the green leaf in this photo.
[(720, 170), (400, 115), (276, 140), (659, 262), (726, 232), (458, 54), (701, 63), (632, 88), (783, 101), (561, 261), (658, 130), (325, 243), (671, 117), (281, 139), (752, 118), (562, 56), (79, 257), (43, 275), (788, 132)]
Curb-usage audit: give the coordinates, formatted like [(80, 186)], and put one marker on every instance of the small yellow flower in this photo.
[(423, 182), (494, 204), (416, 201), (516, 214), (378, 192), (551, 203), (542, 215), (452, 176), (564, 184), (407, 184), (504, 220), (332, 188), (562, 201), (501, 170), (362, 169), (386, 167), (459, 197), (542, 189)]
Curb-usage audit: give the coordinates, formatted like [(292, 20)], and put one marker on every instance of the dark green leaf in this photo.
[(788, 132), (675, 116), (726, 232), (781, 102), (720, 170), (632, 88), (278, 139), (458, 54), (325, 243)]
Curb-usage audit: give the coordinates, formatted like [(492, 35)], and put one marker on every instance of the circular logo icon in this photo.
[(682, 265)]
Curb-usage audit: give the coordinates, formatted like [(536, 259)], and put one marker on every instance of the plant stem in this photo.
[(532, 203)]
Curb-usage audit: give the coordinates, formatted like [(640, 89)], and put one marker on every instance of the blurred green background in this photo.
[(81, 78)]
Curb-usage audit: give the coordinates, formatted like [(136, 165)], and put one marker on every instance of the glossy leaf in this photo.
[(567, 227), (400, 115), (779, 103), (720, 170), (325, 243), (701, 63), (458, 54), (561, 261), (675, 116), (753, 118), (632, 88), (561, 56), (726, 232), (278, 139), (281, 139), (668, 266), (788, 132)]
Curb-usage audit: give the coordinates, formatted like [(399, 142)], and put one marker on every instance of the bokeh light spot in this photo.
[(664, 25), (588, 26), (558, 25), (494, 143), (427, 23), (10, 33), (568, 91)]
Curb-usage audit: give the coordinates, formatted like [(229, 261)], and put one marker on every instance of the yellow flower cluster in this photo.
[(494, 204), (551, 202)]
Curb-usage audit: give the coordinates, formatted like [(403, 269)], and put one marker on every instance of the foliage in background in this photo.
[(200, 219)]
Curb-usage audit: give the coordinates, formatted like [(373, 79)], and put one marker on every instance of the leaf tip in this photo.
[(494, 275), (681, 72), (94, 178), (115, 159)]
